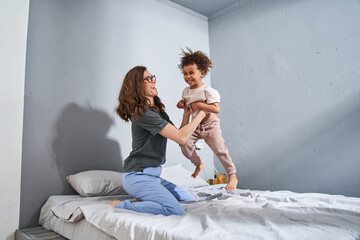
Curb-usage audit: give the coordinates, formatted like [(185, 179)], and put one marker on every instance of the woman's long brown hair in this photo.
[(132, 100)]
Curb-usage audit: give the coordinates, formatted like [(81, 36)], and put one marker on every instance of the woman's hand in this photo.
[(204, 111), (196, 105)]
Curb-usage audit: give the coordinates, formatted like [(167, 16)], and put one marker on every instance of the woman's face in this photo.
[(149, 85)]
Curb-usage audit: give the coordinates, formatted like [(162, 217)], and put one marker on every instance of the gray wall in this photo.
[(289, 75), (78, 53)]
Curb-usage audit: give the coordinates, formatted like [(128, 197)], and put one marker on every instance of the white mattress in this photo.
[(217, 214)]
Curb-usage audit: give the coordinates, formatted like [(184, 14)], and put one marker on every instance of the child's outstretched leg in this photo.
[(216, 142), (198, 169), (189, 152)]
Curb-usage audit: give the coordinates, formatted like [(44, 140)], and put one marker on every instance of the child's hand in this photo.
[(181, 104)]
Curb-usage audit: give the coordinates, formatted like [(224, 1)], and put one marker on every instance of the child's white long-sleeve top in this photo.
[(204, 93)]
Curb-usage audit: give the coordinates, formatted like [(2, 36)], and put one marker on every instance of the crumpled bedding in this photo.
[(221, 214)]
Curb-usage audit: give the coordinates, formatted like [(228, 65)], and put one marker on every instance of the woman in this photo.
[(151, 127)]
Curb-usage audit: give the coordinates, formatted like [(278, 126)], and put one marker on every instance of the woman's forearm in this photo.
[(182, 135), (189, 128)]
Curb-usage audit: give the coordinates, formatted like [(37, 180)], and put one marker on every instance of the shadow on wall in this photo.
[(81, 143)]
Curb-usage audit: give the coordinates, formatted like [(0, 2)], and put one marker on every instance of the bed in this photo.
[(216, 214)]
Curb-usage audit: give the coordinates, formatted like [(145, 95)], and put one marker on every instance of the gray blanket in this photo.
[(222, 214)]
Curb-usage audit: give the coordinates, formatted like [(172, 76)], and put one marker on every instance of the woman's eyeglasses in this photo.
[(150, 79)]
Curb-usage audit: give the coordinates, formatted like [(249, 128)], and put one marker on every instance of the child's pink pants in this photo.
[(211, 133)]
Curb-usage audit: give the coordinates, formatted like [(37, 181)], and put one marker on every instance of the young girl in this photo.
[(199, 96), (151, 126)]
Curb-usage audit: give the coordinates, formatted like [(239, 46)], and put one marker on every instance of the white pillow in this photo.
[(182, 177), (97, 183)]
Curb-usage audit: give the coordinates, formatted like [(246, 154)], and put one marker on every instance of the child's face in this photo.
[(193, 76)]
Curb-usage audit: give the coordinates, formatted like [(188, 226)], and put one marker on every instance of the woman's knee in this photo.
[(186, 197), (174, 210)]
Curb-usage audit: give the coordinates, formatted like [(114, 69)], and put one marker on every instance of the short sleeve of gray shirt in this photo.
[(148, 147), (151, 121)]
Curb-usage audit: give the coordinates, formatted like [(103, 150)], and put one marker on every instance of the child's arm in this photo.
[(211, 108), (186, 117)]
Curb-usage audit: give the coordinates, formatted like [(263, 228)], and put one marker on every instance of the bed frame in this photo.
[(37, 233)]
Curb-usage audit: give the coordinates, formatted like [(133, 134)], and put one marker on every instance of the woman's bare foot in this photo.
[(232, 182), (197, 170), (114, 203)]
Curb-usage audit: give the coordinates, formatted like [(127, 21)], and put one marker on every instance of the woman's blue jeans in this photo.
[(156, 195)]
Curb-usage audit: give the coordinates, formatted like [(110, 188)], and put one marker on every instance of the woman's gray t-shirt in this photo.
[(148, 147)]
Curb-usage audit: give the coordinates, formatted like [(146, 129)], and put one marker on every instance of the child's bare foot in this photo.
[(232, 182), (197, 170), (114, 203)]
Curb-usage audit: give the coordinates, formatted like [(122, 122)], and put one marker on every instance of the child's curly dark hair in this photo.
[(199, 58)]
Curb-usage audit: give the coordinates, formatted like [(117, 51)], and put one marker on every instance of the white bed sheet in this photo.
[(219, 214), (76, 228)]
